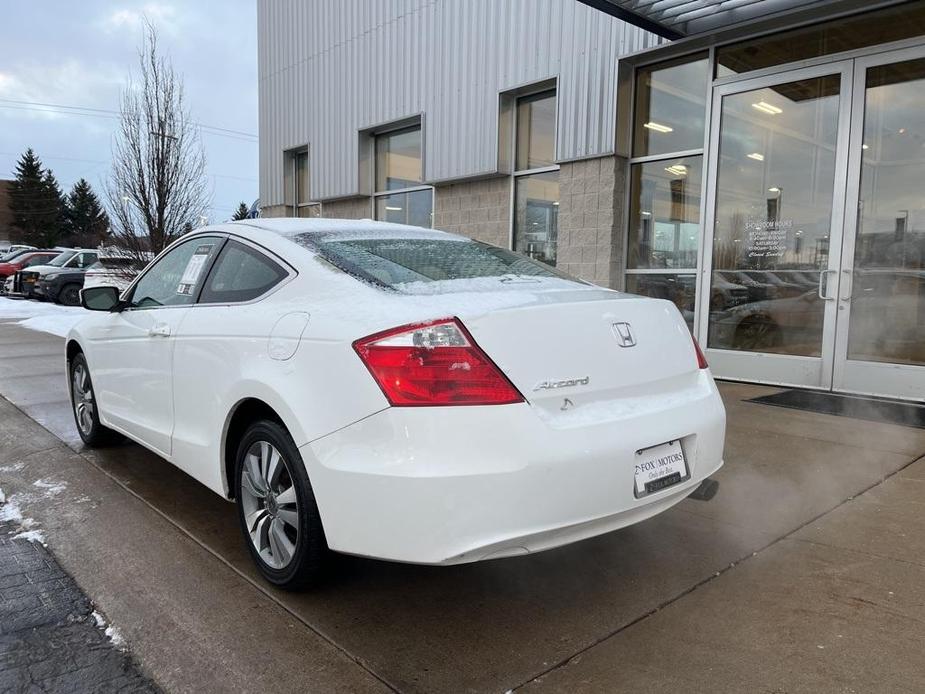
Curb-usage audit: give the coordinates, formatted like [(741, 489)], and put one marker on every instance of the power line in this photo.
[(66, 109)]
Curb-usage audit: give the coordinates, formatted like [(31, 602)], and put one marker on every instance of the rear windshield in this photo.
[(60, 260), (396, 263)]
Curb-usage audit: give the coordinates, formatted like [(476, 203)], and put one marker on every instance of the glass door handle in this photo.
[(822, 275), (848, 283)]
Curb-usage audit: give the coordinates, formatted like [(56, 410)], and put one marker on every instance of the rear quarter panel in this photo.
[(222, 358)]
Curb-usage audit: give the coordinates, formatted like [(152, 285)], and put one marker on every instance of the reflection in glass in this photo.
[(398, 159), (679, 289), (670, 106), (664, 227), (536, 215), (536, 131), (301, 175), (775, 185), (415, 208), (887, 322)]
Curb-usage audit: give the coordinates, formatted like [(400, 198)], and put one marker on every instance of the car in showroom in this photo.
[(396, 392)]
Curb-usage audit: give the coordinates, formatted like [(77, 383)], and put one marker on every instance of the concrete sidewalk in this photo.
[(781, 583)]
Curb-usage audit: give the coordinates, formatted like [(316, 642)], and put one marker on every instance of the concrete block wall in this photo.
[(348, 208), (479, 209), (591, 203)]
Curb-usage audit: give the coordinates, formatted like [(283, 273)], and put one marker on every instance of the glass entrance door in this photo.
[(880, 347), (778, 144)]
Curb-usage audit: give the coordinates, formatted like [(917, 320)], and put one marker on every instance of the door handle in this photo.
[(822, 274), (849, 284), (159, 330)]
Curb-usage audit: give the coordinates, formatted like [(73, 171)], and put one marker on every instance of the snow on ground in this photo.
[(11, 511), (112, 632), (42, 316)]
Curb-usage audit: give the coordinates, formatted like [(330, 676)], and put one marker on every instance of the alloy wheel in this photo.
[(270, 504), (82, 398)]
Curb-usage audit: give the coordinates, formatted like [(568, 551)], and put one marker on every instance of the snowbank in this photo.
[(44, 317)]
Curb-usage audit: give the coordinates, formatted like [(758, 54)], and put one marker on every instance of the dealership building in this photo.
[(760, 163)]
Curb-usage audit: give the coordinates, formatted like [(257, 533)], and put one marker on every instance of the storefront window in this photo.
[(670, 106), (398, 159), (415, 208), (774, 197), (680, 289), (664, 228), (296, 192), (400, 194), (536, 131), (903, 21), (536, 177), (888, 281), (536, 215)]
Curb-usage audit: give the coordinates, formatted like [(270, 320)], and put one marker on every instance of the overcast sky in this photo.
[(77, 54)]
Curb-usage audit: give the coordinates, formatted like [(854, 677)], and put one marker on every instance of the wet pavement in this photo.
[(792, 578), (51, 638)]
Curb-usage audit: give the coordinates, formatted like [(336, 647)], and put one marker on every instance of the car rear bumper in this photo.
[(448, 485)]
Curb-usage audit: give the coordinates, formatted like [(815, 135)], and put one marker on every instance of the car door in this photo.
[(131, 353), (229, 334)]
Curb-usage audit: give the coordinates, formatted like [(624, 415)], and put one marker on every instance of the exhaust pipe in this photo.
[(705, 491)]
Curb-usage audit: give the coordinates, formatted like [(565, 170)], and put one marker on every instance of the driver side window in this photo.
[(175, 279)]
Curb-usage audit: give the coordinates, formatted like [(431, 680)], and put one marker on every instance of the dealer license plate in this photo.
[(660, 467)]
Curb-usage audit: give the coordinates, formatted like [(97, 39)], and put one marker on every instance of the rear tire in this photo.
[(69, 295), (84, 408), (276, 508)]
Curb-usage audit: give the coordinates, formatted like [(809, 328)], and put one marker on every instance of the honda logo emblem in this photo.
[(624, 334)]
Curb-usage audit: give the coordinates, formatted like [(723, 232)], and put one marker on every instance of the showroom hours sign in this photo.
[(767, 238)]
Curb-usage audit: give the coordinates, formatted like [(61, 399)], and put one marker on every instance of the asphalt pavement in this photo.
[(805, 573)]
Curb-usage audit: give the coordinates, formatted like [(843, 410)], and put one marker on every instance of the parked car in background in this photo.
[(113, 271), (10, 255), (24, 280), (61, 280), (16, 247), (25, 260), (7, 285), (483, 403)]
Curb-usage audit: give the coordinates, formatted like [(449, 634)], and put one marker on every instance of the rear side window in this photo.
[(391, 262), (241, 274)]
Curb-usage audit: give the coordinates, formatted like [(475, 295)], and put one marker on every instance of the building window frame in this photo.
[(396, 129), (668, 157), (294, 205), (517, 174)]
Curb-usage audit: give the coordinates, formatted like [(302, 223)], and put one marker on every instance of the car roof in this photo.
[(288, 226)]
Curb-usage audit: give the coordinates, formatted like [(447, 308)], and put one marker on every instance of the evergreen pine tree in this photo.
[(240, 213), (36, 209), (57, 226), (88, 223)]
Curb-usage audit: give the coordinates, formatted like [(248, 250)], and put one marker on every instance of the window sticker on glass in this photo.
[(193, 269)]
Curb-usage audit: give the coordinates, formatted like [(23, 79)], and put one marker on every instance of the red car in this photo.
[(25, 260)]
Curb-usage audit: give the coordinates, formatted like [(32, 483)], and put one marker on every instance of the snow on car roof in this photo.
[(355, 228)]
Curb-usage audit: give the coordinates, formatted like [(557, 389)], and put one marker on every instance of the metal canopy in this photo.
[(676, 19)]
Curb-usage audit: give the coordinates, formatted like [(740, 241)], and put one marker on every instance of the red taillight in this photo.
[(701, 360), (434, 363)]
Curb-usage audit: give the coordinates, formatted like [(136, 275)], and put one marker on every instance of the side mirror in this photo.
[(99, 298)]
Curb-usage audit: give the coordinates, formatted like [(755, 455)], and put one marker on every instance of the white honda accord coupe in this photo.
[(396, 392)]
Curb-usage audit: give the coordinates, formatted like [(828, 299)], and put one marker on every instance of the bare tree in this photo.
[(157, 189)]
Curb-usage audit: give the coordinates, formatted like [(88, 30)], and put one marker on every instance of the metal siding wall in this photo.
[(331, 68)]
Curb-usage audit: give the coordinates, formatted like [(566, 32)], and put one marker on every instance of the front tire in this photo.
[(69, 295), (83, 405), (277, 510)]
